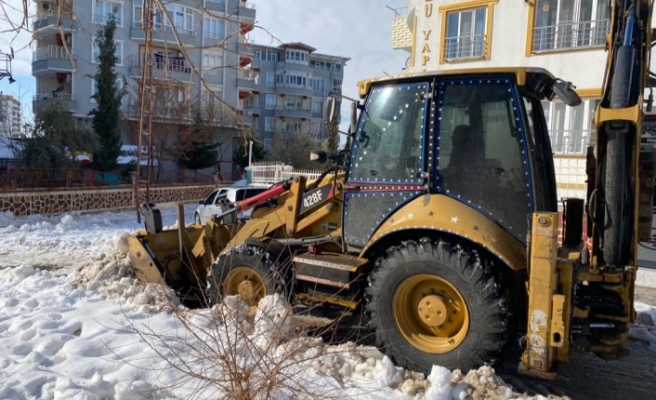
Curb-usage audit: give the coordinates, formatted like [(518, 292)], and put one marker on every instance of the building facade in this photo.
[(10, 116), (200, 51), (565, 37), (282, 95)]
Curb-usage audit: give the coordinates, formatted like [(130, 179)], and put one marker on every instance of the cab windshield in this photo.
[(388, 144)]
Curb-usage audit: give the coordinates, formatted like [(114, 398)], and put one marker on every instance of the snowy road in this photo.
[(65, 333)]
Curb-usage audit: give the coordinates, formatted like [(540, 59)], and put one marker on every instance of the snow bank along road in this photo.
[(75, 324)]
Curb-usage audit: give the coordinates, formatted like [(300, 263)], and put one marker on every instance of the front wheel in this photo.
[(197, 219), (435, 303), (250, 272)]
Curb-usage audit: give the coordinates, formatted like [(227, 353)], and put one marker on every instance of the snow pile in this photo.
[(111, 275), (644, 330), (58, 342)]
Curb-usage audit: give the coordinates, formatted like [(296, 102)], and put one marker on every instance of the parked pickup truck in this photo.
[(212, 206)]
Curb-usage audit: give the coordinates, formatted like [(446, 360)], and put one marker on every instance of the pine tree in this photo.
[(107, 114), (332, 138), (197, 151)]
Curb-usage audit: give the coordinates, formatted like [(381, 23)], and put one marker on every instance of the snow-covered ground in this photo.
[(75, 324)]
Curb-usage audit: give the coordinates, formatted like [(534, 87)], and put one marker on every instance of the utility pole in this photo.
[(147, 94)]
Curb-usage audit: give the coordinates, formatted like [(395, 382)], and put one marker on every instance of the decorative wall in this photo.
[(27, 202)]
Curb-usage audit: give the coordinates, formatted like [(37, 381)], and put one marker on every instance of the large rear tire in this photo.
[(251, 272), (435, 303)]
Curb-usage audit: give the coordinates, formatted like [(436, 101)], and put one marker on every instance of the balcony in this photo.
[(246, 12), (162, 114), (245, 117), (53, 19), (465, 47), (215, 5), (401, 32), (51, 58), (246, 52), (163, 33), (292, 112), (294, 90), (42, 100), (578, 35), (174, 68)]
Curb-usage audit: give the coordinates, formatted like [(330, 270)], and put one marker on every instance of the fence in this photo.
[(268, 173), (61, 200)]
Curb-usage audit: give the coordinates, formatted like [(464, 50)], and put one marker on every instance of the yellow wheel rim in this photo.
[(430, 313), (246, 283)]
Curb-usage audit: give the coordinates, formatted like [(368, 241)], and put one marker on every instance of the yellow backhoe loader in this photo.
[(440, 220)]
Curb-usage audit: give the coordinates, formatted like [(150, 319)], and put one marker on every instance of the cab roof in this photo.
[(519, 72)]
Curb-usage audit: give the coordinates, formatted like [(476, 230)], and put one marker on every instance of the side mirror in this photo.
[(318, 156), (354, 118), (565, 92), (331, 110), (201, 202)]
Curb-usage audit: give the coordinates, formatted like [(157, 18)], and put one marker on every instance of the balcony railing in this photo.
[(570, 142), (50, 53), (164, 27), (175, 64), (570, 35), (53, 14), (249, 6), (294, 109), (54, 96), (472, 46), (104, 18)]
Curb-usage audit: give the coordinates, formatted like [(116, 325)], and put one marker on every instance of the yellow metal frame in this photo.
[(520, 74), (438, 212)]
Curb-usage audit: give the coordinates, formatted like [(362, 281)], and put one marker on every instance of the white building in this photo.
[(566, 37), (10, 115)]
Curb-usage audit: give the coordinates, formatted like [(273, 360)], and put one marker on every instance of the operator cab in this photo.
[(479, 138)]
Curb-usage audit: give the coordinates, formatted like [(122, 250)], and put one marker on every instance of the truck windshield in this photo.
[(388, 146)]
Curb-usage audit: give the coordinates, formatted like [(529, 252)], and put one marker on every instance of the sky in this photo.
[(357, 29)]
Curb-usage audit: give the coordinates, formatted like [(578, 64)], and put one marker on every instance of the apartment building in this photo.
[(282, 92), (212, 33), (10, 116), (565, 37)]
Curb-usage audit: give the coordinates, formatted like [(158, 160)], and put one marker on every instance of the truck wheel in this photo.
[(434, 303), (248, 271), (197, 219)]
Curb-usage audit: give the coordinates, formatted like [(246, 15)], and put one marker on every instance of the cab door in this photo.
[(388, 157)]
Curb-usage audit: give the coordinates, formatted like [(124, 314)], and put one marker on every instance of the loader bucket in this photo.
[(179, 258)]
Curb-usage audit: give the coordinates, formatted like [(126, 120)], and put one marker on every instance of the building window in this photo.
[(317, 105), (102, 10), (212, 63), (337, 85), (317, 85), (291, 126), (213, 28), (297, 57), (269, 124), (271, 102), (467, 30), (95, 53), (94, 87), (297, 79), (559, 25), (465, 34), (267, 55), (315, 128), (270, 79), (182, 18), (570, 128)]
